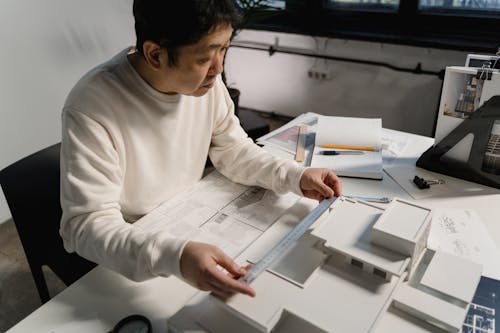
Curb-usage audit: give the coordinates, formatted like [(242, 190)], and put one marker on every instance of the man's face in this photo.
[(197, 65)]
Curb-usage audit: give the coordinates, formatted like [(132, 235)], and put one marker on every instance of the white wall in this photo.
[(46, 46), (280, 82)]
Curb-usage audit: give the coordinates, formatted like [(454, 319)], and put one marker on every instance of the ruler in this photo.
[(301, 144), (279, 249), (369, 199)]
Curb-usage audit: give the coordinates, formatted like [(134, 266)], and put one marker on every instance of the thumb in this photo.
[(324, 189), (227, 263)]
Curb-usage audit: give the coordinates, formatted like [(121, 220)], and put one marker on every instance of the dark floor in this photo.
[(18, 294)]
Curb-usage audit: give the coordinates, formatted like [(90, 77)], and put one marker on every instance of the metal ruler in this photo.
[(369, 199), (279, 249)]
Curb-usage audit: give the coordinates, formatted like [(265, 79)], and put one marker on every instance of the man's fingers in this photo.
[(312, 194), (219, 292), (200, 267), (324, 190), (247, 267), (334, 182), (228, 264), (226, 283)]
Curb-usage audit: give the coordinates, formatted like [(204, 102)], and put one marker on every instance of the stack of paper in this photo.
[(361, 135), (219, 212)]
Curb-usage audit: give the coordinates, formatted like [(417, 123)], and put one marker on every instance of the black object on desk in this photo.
[(133, 324), (341, 152), (483, 164), (253, 124), (423, 183), (420, 182)]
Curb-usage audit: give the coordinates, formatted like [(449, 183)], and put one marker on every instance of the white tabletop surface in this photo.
[(107, 296)]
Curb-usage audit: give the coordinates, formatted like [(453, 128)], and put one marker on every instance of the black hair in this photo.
[(176, 23)]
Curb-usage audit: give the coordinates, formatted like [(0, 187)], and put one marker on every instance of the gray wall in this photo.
[(280, 83), (46, 46)]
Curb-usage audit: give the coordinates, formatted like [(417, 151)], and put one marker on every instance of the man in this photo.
[(137, 130)]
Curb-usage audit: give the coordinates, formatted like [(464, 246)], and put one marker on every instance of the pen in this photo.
[(341, 152), (348, 147)]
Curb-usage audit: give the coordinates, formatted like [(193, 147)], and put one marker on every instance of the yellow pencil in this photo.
[(348, 147)]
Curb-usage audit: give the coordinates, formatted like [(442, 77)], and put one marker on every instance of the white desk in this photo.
[(108, 296)]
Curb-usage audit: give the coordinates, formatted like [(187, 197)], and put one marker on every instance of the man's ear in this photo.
[(153, 54)]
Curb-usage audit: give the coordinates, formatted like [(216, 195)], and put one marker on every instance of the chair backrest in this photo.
[(32, 189)]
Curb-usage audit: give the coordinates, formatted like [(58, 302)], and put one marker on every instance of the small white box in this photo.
[(453, 276), (404, 228), (429, 308)]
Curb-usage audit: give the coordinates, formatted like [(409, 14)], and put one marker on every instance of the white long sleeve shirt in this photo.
[(126, 148)]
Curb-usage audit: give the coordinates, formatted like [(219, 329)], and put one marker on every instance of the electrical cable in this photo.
[(273, 49)]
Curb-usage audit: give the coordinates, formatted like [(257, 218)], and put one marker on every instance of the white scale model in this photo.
[(361, 268)]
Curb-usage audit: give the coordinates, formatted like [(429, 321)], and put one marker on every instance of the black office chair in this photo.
[(31, 187)]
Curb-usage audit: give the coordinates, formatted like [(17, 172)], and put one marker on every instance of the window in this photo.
[(470, 5), (466, 25), (373, 5), (356, 263), (380, 273), (249, 4), (277, 3)]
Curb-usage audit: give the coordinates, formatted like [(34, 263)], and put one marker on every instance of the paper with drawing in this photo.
[(460, 232), (219, 212)]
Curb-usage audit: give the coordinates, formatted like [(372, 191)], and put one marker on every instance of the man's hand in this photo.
[(199, 267), (319, 184)]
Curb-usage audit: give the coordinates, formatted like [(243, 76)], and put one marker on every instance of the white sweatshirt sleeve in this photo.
[(92, 223), (237, 157)]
